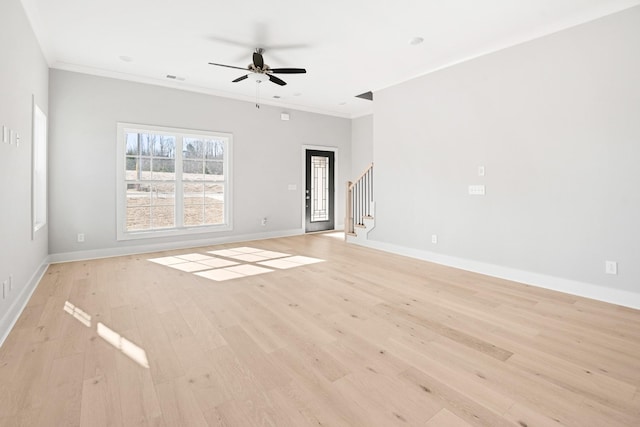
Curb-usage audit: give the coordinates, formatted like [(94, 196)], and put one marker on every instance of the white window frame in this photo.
[(179, 229), (39, 170)]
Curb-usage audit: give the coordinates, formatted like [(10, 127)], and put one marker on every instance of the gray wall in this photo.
[(555, 122), (23, 74), (361, 143), (267, 156)]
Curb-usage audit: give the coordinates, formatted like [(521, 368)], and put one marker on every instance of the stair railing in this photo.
[(359, 198)]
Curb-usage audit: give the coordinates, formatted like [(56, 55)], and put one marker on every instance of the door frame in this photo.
[(336, 184)]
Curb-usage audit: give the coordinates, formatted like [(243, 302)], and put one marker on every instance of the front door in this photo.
[(319, 190)]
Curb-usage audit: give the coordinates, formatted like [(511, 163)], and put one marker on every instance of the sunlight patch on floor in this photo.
[(80, 315), (228, 273), (190, 267), (218, 263), (221, 265), (282, 264), (167, 260), (128, 348), (219, 275), (248, 254), (194, 257)]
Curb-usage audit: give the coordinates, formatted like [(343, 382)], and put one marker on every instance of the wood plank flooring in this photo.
[(364, 338)]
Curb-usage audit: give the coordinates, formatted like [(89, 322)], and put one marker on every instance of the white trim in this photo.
[(39, 210), (179, 229), (335, 150), (11, 316), (157, 247), (573, 287)]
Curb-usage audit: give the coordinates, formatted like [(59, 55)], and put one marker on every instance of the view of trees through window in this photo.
[(202, 174), (173, 180)]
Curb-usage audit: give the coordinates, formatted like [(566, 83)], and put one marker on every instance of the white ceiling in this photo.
[(347, 46)]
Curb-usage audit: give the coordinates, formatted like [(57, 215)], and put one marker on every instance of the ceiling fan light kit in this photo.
[(258, 77)]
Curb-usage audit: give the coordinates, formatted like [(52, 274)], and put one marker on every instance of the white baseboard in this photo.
[(10, 317), (573, 287), (157, 247)]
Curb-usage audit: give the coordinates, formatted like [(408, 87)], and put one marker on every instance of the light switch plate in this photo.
[(611, 267), (476, 190)]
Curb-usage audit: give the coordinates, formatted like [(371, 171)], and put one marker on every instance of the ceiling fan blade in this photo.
[(241, 78), (276, 80), (288, 70), (228, 66), (258, 60)]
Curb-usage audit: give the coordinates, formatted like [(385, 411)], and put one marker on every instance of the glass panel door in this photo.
[(319, 190)]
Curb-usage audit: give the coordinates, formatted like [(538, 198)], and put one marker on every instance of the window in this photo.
[(172, 181), (39, 179)]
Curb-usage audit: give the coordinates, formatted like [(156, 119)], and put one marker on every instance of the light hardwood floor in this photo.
[(364, 338)]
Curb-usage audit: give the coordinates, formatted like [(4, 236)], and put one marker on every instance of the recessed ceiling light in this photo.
[(342, 103), (415, 41), (126, 58), (276, 96), (297, 94)]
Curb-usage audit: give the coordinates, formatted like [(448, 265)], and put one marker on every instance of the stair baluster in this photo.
[(359, 199)]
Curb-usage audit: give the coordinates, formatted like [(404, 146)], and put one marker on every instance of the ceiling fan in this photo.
[(260, 72)]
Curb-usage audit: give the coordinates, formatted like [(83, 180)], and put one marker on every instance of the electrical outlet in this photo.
[(480, 170), (611, 267), (80, 237), (264, 221), (434, 238)]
